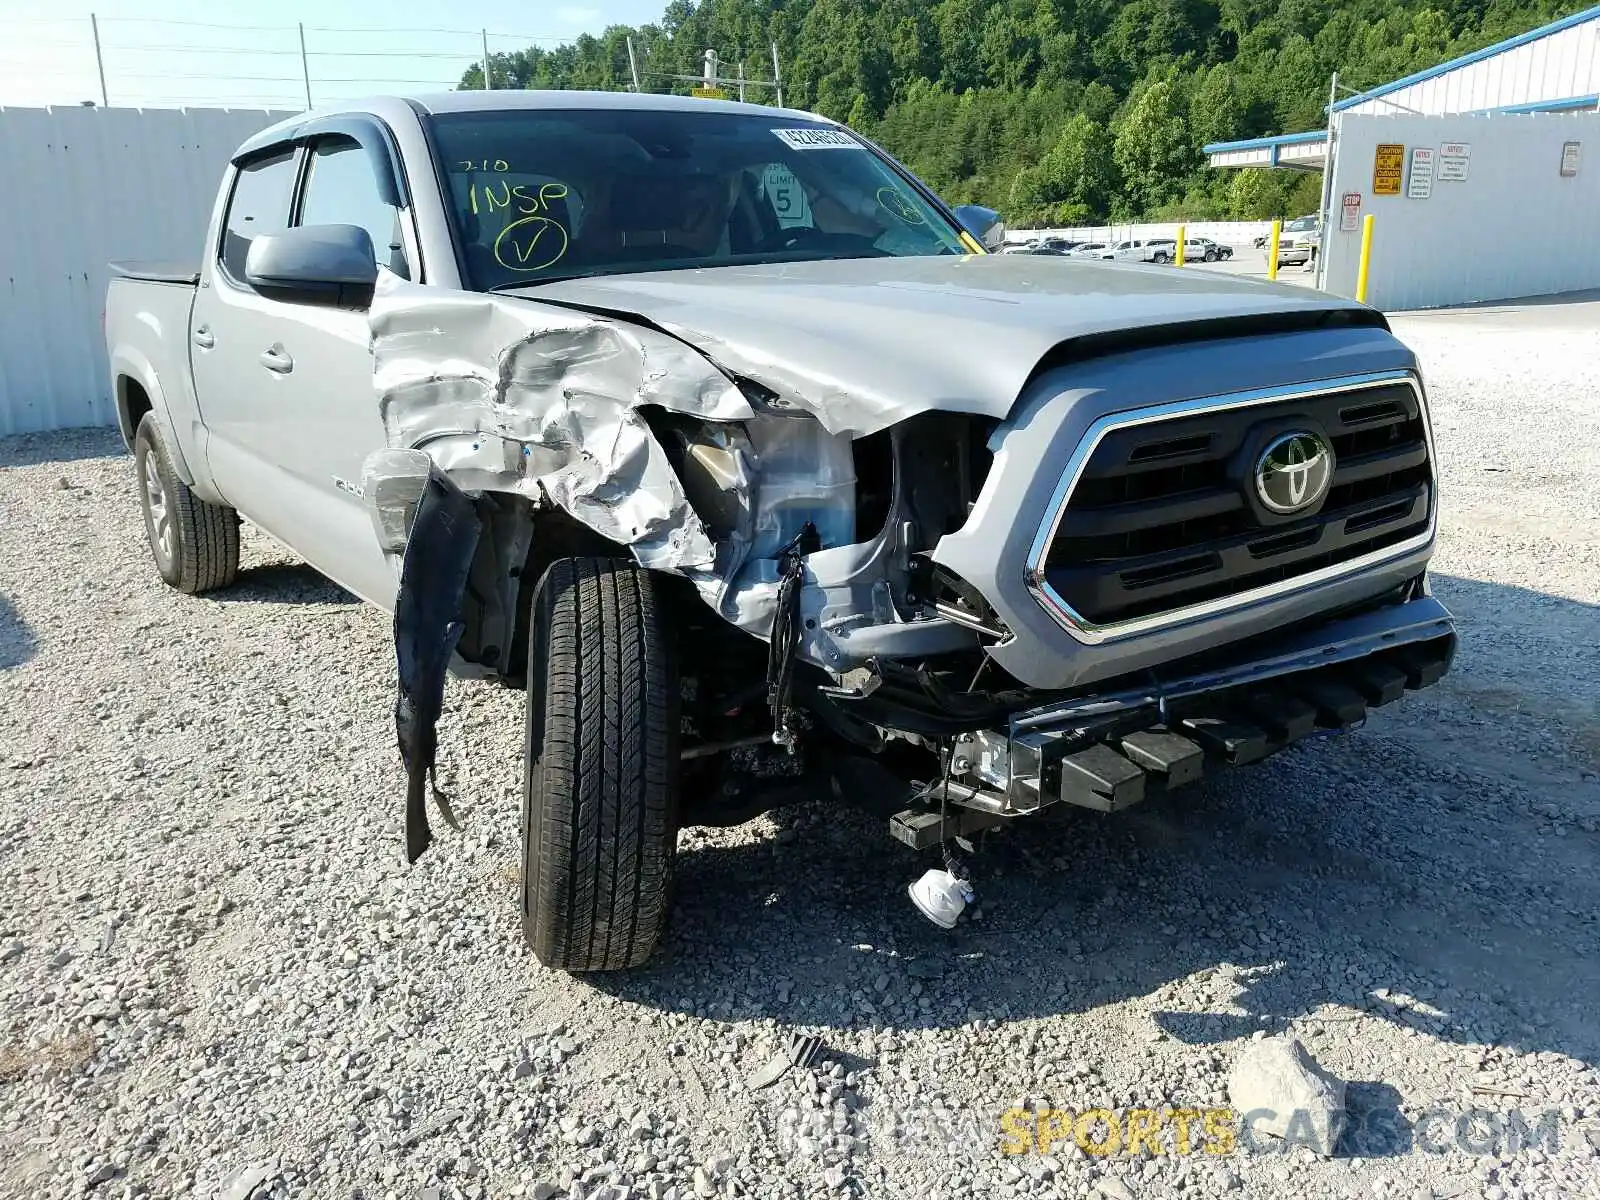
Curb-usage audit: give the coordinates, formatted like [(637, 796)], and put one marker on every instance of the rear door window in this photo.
[(259, 204)]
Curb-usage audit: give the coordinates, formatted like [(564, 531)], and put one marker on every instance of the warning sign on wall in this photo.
[(1454, 159), (1350, 213), (1420, 185), (1388, 168)]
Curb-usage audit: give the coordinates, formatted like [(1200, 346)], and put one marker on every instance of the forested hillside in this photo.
[(1055, 111)]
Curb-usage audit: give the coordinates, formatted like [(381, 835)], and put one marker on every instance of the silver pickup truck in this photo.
[(713, 427)]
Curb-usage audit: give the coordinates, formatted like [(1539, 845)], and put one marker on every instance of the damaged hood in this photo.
[(866, 343)]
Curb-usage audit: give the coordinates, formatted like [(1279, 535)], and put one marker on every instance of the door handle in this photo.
[(277, 359), (203, 337)]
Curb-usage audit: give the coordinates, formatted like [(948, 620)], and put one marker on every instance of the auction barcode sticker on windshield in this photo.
[(817, 139)]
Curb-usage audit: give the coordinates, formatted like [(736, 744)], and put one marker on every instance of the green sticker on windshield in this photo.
[(899, 204)]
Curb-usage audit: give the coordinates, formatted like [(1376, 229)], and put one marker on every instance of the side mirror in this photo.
[(984, 224), (329, 264)]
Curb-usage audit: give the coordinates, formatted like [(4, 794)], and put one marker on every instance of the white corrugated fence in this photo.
[(1229, 233), (85, 186)]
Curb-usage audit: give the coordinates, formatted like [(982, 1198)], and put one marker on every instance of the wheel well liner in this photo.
[(132, 404)]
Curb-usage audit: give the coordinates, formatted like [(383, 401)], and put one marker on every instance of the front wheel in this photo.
[(1161, 256), (600, 780), (195, 544)]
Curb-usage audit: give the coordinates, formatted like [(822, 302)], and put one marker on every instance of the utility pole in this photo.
[(488, 80), (99, 60), (305, 66), (633, 66), (777, 75), (741, 83), (1324, 217)]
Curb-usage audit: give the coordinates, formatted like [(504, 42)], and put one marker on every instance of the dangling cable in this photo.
[(785, 639), (954, 865)]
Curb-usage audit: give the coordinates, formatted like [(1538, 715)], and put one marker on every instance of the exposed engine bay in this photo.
[(821, 633)]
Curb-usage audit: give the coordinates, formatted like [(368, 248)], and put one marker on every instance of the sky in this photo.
[(246, 53)]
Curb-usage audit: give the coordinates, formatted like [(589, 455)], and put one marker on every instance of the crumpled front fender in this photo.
[(507, 395)]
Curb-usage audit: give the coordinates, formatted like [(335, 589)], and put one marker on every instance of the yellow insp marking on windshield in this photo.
[(530, 244), (503, 194)]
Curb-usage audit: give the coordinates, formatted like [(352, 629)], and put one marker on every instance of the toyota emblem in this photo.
[(1293, 472)]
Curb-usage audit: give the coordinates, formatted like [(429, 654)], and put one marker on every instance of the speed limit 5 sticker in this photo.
[(816, 139)]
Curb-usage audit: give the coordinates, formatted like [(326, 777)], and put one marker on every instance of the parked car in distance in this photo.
[(1089, 250), (1298, 241), (1130, 250), (1204, 249)]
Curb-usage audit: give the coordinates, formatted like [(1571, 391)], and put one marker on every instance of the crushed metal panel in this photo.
[(511, 396)]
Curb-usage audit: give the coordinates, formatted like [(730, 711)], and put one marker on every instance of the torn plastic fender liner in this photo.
[(427, 624)]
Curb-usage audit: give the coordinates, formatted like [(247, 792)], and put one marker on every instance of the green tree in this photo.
[(1217, 112), (1079, 168), (1153, 150)]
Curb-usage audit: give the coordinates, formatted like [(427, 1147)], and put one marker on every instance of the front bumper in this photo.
[(1110, 750)]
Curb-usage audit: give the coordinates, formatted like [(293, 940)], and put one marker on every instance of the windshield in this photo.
[(546, 194), (1300, 225)]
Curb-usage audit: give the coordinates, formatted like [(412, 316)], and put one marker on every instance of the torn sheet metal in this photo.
[(509, 396)]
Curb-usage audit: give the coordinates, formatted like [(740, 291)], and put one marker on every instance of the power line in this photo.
[(467, 54), (249, 78), (187, 24), (199, 49), (527, 37)]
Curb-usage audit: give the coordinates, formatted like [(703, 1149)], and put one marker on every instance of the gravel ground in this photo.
[(216, 975)]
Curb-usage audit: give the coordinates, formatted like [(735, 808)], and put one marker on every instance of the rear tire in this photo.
[(195, 544), (600, 781), (1161, 256)]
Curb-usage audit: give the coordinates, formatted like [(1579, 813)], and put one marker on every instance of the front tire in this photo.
[(600, 780), (1161, 256), (195, 544)]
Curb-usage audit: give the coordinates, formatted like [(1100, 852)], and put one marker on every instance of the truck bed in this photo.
[(158, 272)]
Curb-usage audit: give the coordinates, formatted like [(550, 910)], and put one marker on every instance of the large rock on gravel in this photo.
[(1277, 1088)]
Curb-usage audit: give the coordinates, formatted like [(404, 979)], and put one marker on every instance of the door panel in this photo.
[(335, 402), (295, 412), (229, 327)]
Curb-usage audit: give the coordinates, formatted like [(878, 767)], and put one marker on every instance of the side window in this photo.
[(259, 204), (341, 190)]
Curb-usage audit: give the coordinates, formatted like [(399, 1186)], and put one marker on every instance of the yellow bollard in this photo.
[(1366, 257), (1178, 261), (1272, 250)]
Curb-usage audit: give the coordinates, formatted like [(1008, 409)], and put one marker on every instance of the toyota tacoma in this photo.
[(720, 433)]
